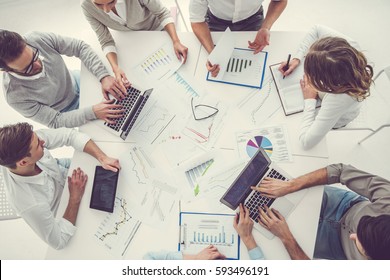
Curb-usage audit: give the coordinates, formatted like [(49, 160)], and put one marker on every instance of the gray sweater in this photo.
[(43, 99)]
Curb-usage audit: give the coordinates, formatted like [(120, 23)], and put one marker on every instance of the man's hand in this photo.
[(307, 89), (209, 253), (111, 86), (261, 40), (273, 187), (213, 69), (76, 185), (272, 220), (110, 163), (181, 51), (244, 225), (108, 111), (121, 79), (291, 66)]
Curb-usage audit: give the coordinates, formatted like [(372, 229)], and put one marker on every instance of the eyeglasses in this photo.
[(29, 68), (202, 114)]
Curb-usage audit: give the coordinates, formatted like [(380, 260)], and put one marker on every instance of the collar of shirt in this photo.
[(120, 7), (33, 77)]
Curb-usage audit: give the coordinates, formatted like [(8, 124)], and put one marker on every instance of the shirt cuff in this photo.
[(81, 140), (166, 21), (89, 114), (256, 254), (310, 104), (109, 49), (67, 227)]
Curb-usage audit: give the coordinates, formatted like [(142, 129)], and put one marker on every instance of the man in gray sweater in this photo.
[(38, 84)]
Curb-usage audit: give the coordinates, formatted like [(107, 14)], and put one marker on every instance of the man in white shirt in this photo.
[(34, 180), (238, 15)]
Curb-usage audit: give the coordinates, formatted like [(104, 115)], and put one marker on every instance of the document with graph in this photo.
[(199, 230), (243, 68), (117, 229), (289, 89), (159, 65)]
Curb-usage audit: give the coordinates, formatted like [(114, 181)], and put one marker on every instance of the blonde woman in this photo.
[(128, 15), (335, 71)]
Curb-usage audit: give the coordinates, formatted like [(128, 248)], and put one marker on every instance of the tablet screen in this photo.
[(104, 189)]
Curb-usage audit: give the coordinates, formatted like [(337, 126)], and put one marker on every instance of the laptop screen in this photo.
[(250, 176)]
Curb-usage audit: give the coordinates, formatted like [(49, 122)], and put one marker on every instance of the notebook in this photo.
[(259, 167), (133, 104), (289, 89)]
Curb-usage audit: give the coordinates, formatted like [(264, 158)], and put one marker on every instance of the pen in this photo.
[(285, 68)]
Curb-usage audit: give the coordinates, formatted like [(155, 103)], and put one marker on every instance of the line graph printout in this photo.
[(117, 230), (198, 230), (158, 203), (273, 139), (260, 105), (137, 166), (160, 64), (152, 122)]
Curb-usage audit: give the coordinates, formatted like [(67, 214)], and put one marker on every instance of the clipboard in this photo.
[(289, 89), (243, 69), (198, 230)]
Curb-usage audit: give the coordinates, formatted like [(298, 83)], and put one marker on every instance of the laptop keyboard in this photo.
[(257, 199), (127, 104)]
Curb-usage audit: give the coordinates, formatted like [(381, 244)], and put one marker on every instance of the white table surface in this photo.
[(302, 221)]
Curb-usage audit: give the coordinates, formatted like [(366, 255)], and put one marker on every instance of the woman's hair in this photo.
[(333, 65)]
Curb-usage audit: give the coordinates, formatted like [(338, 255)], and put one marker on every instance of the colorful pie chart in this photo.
[(258, 141)]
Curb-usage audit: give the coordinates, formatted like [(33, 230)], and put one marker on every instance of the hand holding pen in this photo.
[(287, 67)]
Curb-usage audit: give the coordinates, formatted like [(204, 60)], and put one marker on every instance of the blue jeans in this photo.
[(335, 203), (74, 105), (64, 162), (253, 23)]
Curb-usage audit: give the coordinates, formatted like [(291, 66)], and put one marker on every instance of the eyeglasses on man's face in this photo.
[(35, 57), (202, 111)]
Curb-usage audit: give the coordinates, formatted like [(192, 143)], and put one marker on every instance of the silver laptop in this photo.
[(133, 104), (259, 167)]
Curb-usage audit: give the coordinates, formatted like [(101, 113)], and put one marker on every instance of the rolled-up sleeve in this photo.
[(198, 10), (55, 232)]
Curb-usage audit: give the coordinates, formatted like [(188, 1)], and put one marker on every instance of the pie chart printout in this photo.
[(258, 141)]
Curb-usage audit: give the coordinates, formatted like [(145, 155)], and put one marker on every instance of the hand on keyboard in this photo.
[(108, 111), (111, 86), (274, 221), (272, 187)]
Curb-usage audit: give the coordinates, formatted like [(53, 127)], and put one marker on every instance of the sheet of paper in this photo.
[(273, 139), (199, 230), (150, 198), (260, 105), (289, 89), (243, 68), (117, 230), (159, 65), (222, 51)]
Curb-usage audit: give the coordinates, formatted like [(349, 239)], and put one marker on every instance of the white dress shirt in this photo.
[(337, 109), (121, 18), (36, 198), (231, 10)]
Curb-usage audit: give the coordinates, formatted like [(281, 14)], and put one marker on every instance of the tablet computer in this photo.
[(104, 189)]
